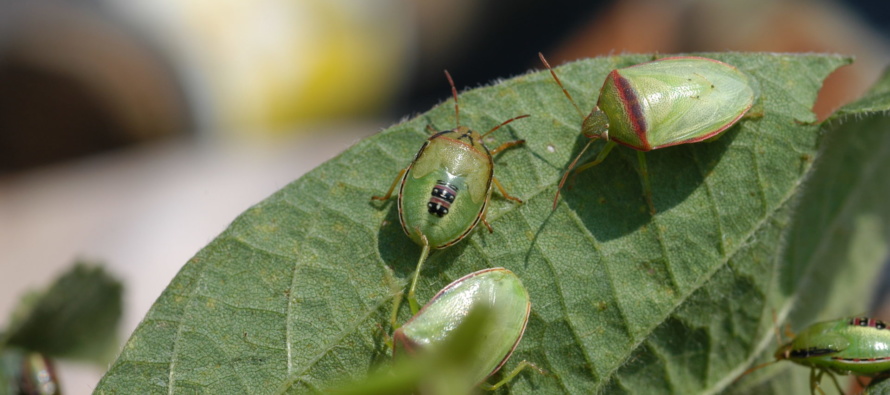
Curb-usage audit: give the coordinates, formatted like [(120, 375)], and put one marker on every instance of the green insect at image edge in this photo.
[(444, 192), (666, 102), (856, 345), (28, 373)]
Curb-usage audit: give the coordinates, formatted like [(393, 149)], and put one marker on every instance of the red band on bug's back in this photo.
[(632, 107), (442, 202), (445, 190), (863, 361)]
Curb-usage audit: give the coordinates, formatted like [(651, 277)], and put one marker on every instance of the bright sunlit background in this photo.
[(133, 131)]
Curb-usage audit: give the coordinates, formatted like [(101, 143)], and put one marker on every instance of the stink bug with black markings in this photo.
[(444, 192)]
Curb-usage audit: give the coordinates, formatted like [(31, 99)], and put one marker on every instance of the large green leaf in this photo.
[(290, 297)]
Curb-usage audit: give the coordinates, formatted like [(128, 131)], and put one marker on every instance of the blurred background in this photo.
[(133, 131)]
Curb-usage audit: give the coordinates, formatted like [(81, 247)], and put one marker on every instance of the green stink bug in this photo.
[(662, 103), (508, 305), (444, 191), (858, 346)]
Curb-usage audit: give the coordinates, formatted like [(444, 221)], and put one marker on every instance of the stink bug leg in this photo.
[(425, 251), (487, 225), (509, 376), (509, 143), (391, 187), (504, 193)]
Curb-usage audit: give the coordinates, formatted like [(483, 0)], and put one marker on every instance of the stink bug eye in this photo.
[(662, 103), (444, 192), (507, 304)]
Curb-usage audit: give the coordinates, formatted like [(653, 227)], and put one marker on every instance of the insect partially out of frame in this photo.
[(444, 192), (29, 373), (859, 346), (508, 305), (662, 103)]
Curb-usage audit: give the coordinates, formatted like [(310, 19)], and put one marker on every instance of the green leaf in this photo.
[(75, 318), (290, 297)]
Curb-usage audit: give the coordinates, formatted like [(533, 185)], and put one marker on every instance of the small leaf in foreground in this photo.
[(76, 317)]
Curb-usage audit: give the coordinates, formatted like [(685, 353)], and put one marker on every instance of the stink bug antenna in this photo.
[(755, 368), (504, 123), (788, 334), (454, 93), (566, 92), (569, 171), (457, 108), (779, 341)]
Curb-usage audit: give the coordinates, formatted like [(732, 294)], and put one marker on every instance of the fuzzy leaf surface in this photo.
[(290, 297)]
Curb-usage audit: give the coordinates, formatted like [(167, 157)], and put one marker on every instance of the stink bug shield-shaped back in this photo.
[(444, 192), (507, 305), (658, 104), (858, 346)]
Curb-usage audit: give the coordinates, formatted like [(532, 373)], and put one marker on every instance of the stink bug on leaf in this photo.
[(507, 304), (444, 191), (858, 346), (658, 104)]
